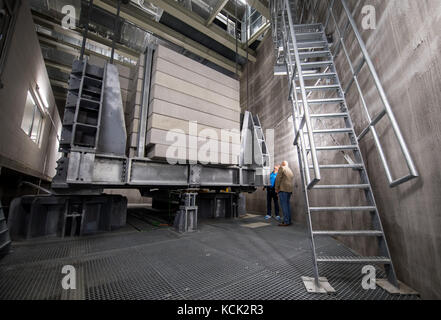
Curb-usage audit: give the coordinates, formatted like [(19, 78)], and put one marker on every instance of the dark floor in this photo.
[(226, 259)]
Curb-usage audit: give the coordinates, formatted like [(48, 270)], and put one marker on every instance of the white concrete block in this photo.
[(157, 136), (164, 152), (185, 87), (195, 78), (167, 123), (172, 110), (183, 61)]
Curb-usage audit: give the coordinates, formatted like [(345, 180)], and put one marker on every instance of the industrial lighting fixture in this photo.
[(42, 100)]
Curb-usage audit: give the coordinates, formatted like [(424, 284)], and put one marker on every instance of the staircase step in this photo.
[(322, 209), (352, 233), (3, 231), (316, 64), (330, 115), (324, 101), (342, 186), (330, 131), (314, 54), (353, 259), (313, 76), (315, 35), (317, 88), (339, 166), (331, 148), (280, 70), (312, 44), (306, 27)]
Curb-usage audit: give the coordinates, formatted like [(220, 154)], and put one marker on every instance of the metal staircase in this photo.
[(320, 115), (259, 137)]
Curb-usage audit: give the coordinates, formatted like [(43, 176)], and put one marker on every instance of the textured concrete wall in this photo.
[(265, 95), (24, 69), (405, 50)]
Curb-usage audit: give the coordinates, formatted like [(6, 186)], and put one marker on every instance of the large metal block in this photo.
[(176, 84), (176, 111), (190, 64), (195, 78), (188, 101), (164, 122)]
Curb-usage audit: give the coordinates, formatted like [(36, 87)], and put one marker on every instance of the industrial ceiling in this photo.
[(200, 29)]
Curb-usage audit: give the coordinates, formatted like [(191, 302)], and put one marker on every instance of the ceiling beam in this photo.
[(218, 8), (56, 65), (73, 48), (197, 22), (260, 7), (140, 19), (59, 84), (122, 50)]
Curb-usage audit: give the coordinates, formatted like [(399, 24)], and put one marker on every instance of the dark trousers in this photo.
[(284, 202), (272, 195)]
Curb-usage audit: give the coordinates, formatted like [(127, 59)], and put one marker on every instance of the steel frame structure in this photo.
[(301, 46)]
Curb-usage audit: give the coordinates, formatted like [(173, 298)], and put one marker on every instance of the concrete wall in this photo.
[(24, 69), (267, 98), (405, 50)]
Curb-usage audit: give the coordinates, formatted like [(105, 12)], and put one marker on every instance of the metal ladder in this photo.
[(309, 66), (82, 118), (260, 142)]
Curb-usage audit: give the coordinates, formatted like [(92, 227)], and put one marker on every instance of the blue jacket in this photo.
[(273, 177)]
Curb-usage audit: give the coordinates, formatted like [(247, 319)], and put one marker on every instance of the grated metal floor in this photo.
[(242, 259)]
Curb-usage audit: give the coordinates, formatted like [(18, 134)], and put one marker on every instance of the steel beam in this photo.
[(56, 26), (138, 18), (260, 7), (218, 8), (197, 22), (72, 48), (58, 83)]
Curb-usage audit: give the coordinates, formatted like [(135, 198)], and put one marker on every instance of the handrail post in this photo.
[(398, 133)]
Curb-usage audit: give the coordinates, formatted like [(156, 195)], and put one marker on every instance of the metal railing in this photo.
[(301, 113), (310, 13)]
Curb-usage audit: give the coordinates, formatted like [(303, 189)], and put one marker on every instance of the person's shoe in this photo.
[(267, 217), (278, 218), (283, 225)]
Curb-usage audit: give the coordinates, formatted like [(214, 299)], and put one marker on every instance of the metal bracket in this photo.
[(311, 286), (389, 287)]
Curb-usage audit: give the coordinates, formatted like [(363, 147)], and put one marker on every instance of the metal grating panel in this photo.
[(223, 260)]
